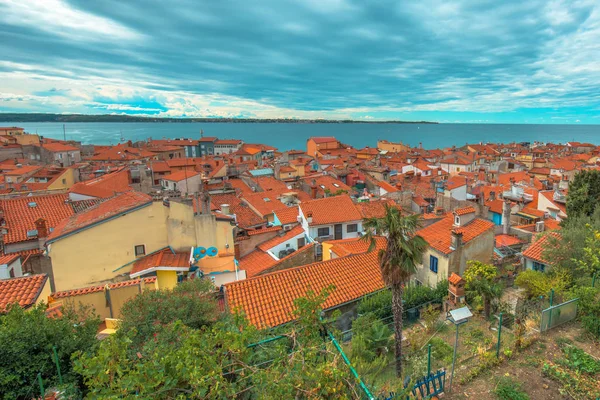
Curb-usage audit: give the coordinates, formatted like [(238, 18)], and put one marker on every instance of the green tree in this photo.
[(481, 280), (216, 362), (540, 284), (27, 338), (192, 302), (584, 194), (398, 260), (589, 263)]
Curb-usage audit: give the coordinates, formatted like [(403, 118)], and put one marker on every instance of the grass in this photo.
[(509, 389)]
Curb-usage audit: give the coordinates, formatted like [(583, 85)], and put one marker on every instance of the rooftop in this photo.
[(331, 210), (23, 291), (439, 234), (268, 300)]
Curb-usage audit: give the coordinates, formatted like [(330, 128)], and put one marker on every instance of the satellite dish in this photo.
[(212, 251), (199, 252)]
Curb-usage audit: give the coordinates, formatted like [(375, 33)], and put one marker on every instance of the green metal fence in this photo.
[(558, 315)]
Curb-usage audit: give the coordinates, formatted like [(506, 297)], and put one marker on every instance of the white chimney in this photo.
[(309, 216), (225, 209)]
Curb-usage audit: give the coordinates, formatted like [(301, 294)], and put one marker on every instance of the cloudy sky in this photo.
[(469, 61)]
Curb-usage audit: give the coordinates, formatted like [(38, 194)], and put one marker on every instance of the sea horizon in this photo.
[(290, 135)]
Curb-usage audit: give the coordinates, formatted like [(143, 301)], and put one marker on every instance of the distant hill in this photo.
[(31, 117)]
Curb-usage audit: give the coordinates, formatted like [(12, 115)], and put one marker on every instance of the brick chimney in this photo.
[(42, 228)]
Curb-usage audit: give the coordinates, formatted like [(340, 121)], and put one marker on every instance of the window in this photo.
[(539, 266), (457, 220), (433, 264), (64, 181), (352, 228), (301, 242), (140, 250), (323, 232)]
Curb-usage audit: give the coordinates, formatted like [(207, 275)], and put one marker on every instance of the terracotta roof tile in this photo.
[(536, 250), (346, 247), (464, 210), (455, 279), (8, 258), (109, 208), (59, 147), (263, 230), (21, 213), (439, 234), (268, 300), (162, 259), (23, 291), (99, 288), (507, 240), (180, 175), (288, 215), (256, 262), (104, 186), (375, 208), (245, 217), (331, 210)]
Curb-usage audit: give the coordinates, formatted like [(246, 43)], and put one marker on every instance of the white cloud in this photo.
[(60, 18)]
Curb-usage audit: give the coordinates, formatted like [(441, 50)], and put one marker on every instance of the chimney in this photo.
[(506, 217), (42, 228), (225, 209), (456, 240), (313, 192), (309, 216), (205, 202), (492, 195)]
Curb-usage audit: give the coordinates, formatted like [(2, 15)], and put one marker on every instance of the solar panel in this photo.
[(460, 315)]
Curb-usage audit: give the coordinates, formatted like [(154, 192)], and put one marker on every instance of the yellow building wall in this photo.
[(181, 233), (392, 147), (27, 139), (89, 257), (45, 293), (425, 275), (166, 279), (68, 175), (327, 251)]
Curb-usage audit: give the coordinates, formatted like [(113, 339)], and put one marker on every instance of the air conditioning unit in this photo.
[(539, 226)]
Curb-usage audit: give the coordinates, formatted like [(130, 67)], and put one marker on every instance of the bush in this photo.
[(191, 302), (380, 304), (509, 389), (27, 339), (540, 283)]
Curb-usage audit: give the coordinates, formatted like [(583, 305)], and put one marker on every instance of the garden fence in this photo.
[(558, 315)]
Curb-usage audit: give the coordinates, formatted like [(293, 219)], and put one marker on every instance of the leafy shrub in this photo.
[(191, 302), (27, 339), (509, 389), (538, 283), (371, 338), (380, 304), (579, 360)]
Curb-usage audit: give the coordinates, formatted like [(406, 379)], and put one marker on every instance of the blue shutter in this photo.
[(433, 264)]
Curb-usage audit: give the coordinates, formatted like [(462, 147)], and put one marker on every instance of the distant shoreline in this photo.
[(65, 118)]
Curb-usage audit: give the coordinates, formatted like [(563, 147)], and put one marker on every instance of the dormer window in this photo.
[(456, 220)]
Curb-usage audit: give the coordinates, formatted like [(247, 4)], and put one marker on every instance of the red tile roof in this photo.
[(288, 215), (439, 234), (20, 214), (99, 288), (104, 186), (245, 217), (269, 244), (23, 291), (8, 258), (507, 240), (122, 203), (59, 147), (346, 247), (464, 210), (180, 175), (323, 139), (536, 250), (164, 259), (455, 279), (375, 208), (268, 300), (263, 230), (331, 210), (256, 262)]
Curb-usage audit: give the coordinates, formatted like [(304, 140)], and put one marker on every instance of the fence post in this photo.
[(41, 383), (499, 335), (57, 364), (551, 303), (429, 359)]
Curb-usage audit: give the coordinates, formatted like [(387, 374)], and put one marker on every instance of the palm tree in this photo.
[(398, 260)]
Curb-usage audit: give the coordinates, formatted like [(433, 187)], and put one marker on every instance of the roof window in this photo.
[(32, 204), (32, 233)]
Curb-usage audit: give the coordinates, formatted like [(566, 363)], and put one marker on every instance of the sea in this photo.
[(288, 136)]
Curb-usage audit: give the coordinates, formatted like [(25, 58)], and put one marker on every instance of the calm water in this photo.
[(294, 136)]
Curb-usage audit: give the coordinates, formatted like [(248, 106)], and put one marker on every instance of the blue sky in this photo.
[(449, 61)]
